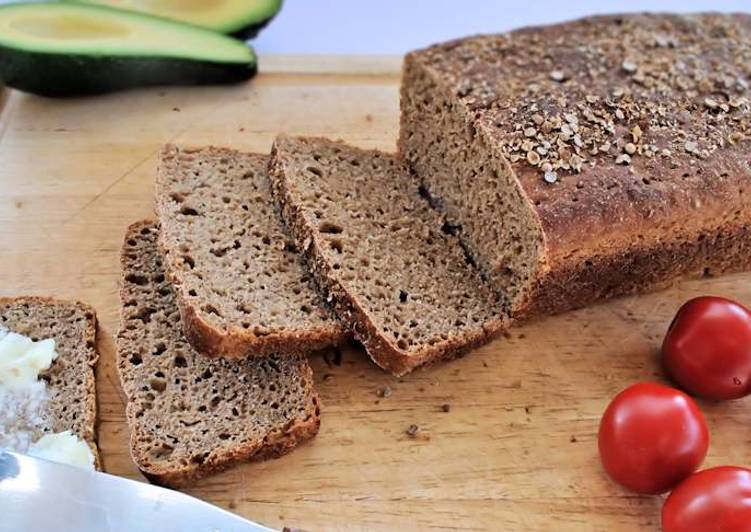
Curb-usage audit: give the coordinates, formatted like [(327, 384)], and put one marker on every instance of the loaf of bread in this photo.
[(583, 160), (190, 415), (394, 271), (241, 286), (70, 383)]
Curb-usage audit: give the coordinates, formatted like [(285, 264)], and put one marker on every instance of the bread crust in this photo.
[(89, 400), (231, 341), (346, 305), (236, 342), (669, 198)]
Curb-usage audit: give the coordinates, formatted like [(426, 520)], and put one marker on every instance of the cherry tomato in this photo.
[(707, 350), (652, 437), (713, 500)]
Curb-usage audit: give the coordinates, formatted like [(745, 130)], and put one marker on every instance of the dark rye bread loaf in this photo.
[(241, 286), (588, 159), (71, 386), (395, 273), (190, 415)]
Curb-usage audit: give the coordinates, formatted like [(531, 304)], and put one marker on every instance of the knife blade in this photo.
[(39, 495)]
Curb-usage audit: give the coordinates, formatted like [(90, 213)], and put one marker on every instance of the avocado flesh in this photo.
[(241, 18), (59, 49)]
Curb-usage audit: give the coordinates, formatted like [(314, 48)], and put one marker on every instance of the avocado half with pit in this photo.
[(60, 49), (240, 18)]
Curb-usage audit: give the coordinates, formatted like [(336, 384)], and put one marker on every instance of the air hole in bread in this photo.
[(135, 359), (140, 280), (403, 296), (211, 309), (188, 211), (449, 229), (158, 385), (330, 228), (315, 171), (144, 314), (336, 245), (187, 259)]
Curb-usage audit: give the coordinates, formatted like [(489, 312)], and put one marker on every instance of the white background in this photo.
[(395, 26)]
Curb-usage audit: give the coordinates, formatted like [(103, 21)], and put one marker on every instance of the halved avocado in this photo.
[(240, 18), (59, 49)]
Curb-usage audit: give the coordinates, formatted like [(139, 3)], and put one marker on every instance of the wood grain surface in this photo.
[(516, 449)]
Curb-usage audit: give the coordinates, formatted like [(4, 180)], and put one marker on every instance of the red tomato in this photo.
[(707, 349), (652, 437), (713, 500)]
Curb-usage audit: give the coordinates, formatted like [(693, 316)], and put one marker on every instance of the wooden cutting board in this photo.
[(517, 448)]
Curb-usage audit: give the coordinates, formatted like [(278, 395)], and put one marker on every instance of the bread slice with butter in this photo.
[(69, 397)]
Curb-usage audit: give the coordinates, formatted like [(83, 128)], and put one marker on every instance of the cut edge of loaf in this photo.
[(235, 341), (383, 353), (419, 79), (89, 344), (274, 444)]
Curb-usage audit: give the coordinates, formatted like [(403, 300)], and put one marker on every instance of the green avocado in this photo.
[(61, 49), (240, 18)]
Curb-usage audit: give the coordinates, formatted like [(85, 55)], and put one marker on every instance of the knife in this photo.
[(39, 495)]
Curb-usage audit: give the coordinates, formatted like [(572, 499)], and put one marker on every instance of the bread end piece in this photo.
[(71, 380)]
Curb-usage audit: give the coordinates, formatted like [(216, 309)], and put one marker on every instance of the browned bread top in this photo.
[(71, 386), (241, 285), (395, 272), (618, 127), (189, 415)]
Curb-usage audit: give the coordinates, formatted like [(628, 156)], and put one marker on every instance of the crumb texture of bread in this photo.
[(191, 415), (592, 158), (395, 272), (241, 285), (71, 386)]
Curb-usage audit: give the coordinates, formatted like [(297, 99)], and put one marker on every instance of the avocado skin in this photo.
[(251, 31), (60, 75)]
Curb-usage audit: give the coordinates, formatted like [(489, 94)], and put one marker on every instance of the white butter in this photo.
[(64, 447), (21, 360), (23, 398)]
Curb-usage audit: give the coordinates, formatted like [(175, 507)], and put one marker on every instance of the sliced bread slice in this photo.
[(241, 286), (71, 386), (395, 272), (190, 415)]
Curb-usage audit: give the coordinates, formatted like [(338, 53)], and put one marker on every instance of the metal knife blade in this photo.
[(38, 495)]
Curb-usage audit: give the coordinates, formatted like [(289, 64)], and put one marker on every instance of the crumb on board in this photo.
[(384, 392)]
